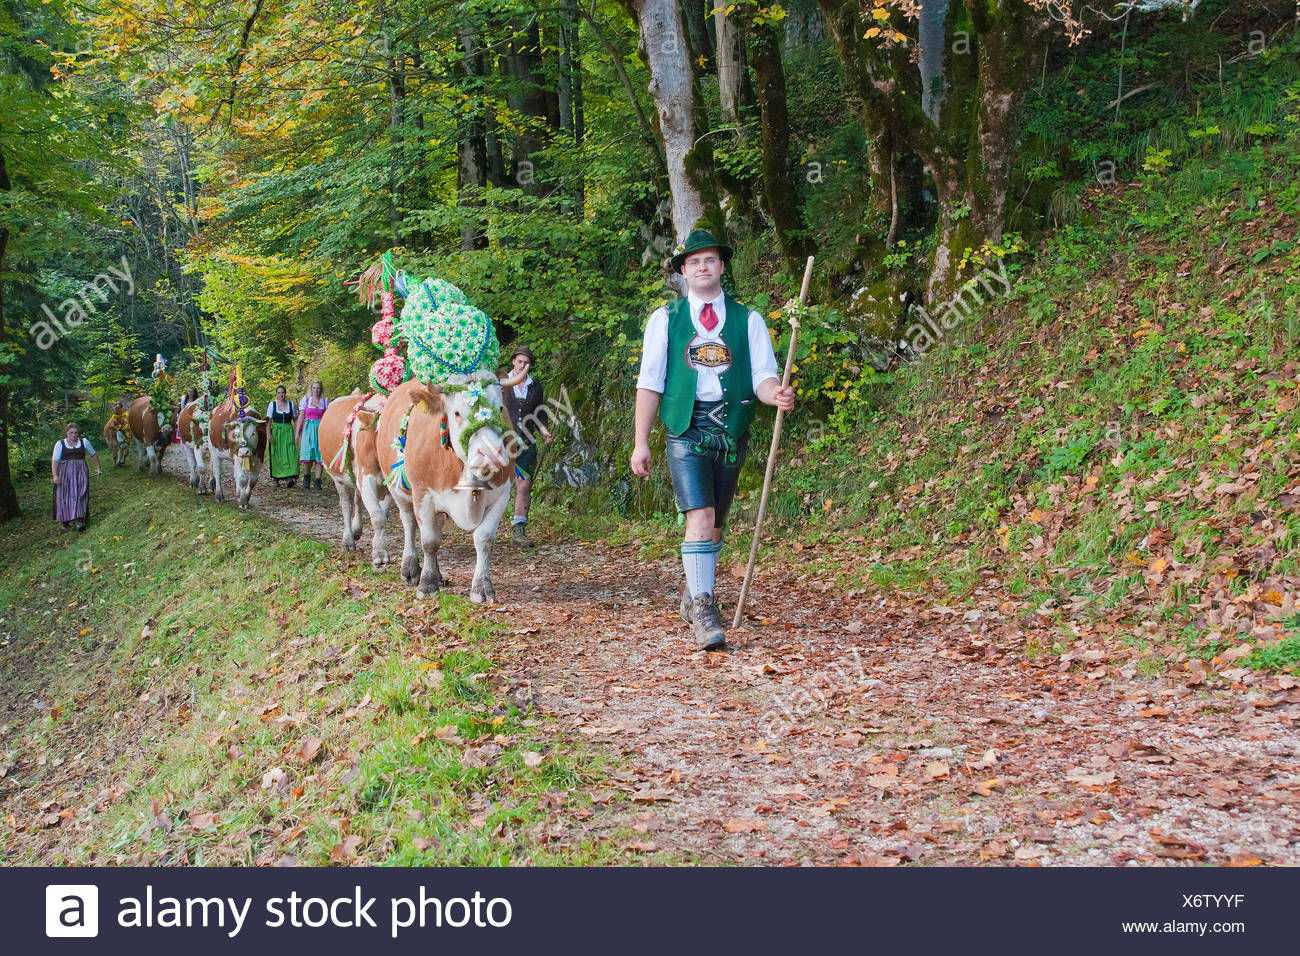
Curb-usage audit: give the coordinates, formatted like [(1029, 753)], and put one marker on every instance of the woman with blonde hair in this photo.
[(312, 408)]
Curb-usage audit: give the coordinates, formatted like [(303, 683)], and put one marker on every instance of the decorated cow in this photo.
[(443, 443), (151, 431), (117, 434), (236, 436), (192, 427), (347, 444), (444, 457)]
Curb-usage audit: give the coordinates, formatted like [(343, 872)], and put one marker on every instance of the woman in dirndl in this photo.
[(314, 404), (71, 477), (284, 447)]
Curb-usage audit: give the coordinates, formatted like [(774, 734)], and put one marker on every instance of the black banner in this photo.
[(644, 910)]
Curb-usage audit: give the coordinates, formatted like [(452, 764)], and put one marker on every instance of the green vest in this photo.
[(737, 381)]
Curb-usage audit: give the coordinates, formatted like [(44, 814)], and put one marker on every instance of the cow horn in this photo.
[(510, 381)]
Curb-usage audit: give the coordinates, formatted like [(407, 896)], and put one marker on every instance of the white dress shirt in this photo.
[(83, 442), (654, 350), (521, 390)]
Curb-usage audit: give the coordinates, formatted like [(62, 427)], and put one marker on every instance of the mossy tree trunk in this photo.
[(473, 166), (778, 185), (527, 96), (968, 146), (973, 185)]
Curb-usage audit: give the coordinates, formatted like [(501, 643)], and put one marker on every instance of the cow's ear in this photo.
[(429, 400), (367, 419)]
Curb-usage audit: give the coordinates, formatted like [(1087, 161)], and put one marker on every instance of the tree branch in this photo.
[(237, 58)]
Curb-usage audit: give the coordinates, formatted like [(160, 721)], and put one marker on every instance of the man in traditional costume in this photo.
[(706, 361)]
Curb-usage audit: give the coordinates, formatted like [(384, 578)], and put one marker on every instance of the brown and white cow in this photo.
[(472, 490), (117, 442), (240, 441), (194, 444), (150, 434), (356, 476)]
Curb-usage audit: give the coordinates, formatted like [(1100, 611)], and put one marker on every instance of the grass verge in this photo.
[(186, 684)]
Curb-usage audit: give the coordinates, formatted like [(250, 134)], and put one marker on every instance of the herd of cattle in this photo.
[(408, 448)]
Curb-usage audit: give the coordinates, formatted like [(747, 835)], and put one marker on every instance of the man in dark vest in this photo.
[(706, 362), (528, 416)]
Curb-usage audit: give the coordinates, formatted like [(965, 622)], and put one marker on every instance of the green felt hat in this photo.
[(697, 240)]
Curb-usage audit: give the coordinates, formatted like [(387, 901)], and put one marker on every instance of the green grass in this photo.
[(181, 661)]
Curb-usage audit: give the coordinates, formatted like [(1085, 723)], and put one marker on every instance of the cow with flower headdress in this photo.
[(150, 419), (236, 435), (347, 429), (192, 428), (442, 441)]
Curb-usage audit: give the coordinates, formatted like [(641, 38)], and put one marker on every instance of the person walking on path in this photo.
[(282, 413), (528, 416), (312, 409), (71, 477), (706, 359)]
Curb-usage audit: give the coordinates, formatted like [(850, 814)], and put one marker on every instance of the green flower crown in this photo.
[(445, 335), (483, 412)]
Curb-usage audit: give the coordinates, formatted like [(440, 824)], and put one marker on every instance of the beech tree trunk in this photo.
[(570, 93), (731, 61), (528, 97), (396, 180), (689, 160)]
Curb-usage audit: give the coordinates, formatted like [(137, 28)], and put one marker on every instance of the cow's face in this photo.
[(486, 449), (242, 438), (244, 456)]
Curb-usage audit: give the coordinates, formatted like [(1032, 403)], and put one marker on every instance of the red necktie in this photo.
[(707, 317)]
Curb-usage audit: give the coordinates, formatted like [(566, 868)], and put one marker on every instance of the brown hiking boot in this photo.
[(706, 621), (684, 605), (519, 537)]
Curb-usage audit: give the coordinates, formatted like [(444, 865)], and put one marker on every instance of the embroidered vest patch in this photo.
[(704, 353)]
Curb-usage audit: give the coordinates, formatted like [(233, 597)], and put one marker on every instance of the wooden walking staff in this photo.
[(771, 454)]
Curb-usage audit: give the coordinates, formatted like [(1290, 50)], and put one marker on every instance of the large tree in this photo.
[(952, 96), (945, 80), (683, 121)]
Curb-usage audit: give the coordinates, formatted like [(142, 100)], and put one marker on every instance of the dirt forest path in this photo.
[(844, 728)]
